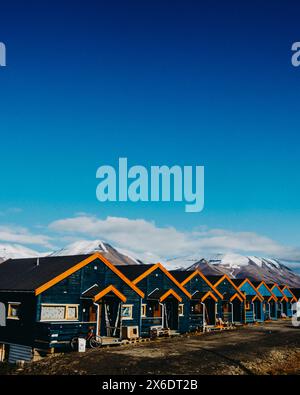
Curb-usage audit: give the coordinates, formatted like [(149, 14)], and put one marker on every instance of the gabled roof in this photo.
[(147, 270), (296, 292), (134, 271), (181, 275), (30, 273), (38, 275), (285, 287), (225, 277), (170, 292), (91, 292), (240, 282), (202, 296), (189, 275), (258, 284)]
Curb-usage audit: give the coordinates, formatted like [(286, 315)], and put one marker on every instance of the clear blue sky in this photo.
[(159, 82)]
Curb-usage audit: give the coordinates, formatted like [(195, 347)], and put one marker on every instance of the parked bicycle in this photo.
[(91, 338)]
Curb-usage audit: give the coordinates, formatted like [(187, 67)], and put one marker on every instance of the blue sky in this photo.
[(186, 84)]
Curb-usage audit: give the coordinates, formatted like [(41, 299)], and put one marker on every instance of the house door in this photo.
[(172, 318), (237, 310), (109, 317), (257, 310), (210, 311)]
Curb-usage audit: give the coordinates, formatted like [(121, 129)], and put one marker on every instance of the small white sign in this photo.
[(81, 345)]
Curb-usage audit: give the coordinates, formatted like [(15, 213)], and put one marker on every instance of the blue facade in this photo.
[(170, 312), (269, 305), (253, 303), (61, 312), (232, 307), (204, 305), (291, 298)]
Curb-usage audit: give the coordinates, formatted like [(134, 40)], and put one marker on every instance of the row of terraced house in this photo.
[(46, 302)]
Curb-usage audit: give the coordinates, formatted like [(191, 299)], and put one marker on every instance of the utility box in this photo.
[(81, 345), (130, 332)]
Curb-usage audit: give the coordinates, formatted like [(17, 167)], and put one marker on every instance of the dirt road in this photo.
[(270, 348)]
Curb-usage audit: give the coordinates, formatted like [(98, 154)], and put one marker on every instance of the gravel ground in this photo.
[(270, 348)]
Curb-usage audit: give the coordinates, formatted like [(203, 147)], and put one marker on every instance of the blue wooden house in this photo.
[(282, 300), (287, 306), (231, 307), (205, 298), (253, 302), (166, 303), (45, 302), (269, 304)]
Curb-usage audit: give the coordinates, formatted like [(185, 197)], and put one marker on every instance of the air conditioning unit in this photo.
[(130, 332)]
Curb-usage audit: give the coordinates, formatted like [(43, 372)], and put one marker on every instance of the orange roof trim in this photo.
[(82, 264), (236, 295), (207, 295), (197, 271), (165, 271), (259, 296), (169, 293), (107, 290), (225, 277)]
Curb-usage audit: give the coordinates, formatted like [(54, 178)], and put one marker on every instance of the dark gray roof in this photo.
[(213, 279), (156, 294), (27, 275), (199, 295), (238, 281), (181, 275), (133, 271), (296, 292), (91, 292)]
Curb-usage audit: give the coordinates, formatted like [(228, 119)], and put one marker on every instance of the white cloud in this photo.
[(11, 210), (148, 240), (15, 234)]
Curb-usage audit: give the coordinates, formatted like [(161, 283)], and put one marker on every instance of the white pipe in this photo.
[(231, 311), (162, 314), (269, 310), (97, 325), (203, 315)]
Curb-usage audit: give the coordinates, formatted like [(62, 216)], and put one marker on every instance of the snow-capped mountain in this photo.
[(14, 251), (252, 267), (114, 255)]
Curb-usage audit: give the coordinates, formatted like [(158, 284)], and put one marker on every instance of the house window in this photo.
[(144, 310), (127, 311), (59, 313), (180, 309), (13, 310), (196, 308)]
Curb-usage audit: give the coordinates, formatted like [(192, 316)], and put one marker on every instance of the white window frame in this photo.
[(9, 304), (131, 312), (144, 312), (66, 306), (181, 310)]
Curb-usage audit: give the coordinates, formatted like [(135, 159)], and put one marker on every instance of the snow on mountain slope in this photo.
[(114, 255), (252, 267), (14, 251)]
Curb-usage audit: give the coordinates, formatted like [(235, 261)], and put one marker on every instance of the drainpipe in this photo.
[(203, 315), (269, 304), (140, 334), (162, 314), (97, 325), (231, 311), (216, 311), (281, 309)]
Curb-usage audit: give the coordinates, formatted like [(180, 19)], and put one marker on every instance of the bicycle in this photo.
[(94, 341)]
